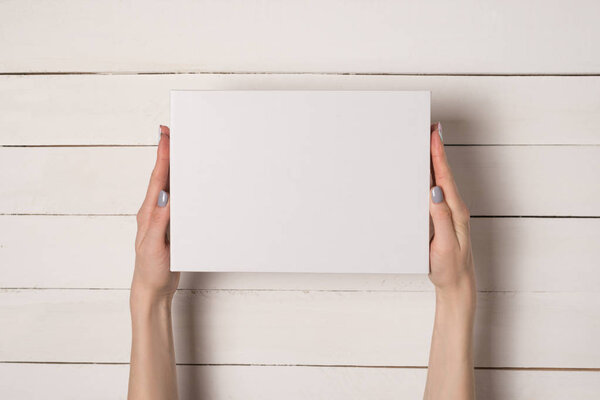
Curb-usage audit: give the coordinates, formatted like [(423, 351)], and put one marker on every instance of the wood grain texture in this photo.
[(324, 36), (109, 382), (540, 303), (511, 254), (302, 327), (504, 180), (126, 109)]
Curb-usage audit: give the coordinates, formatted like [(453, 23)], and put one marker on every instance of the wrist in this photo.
[(457, 300), (455, 318), (143, 301)]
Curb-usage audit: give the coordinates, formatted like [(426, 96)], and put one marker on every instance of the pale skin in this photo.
[(152, 372), (450, 374)]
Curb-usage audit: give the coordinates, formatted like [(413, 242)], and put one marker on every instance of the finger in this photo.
[(159, 179), (442, 175), (431, 181), (430, 220), (167, 132), (159, 220), (444, 234), (432, 128)]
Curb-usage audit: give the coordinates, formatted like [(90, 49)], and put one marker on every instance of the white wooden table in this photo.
[(83, 87)]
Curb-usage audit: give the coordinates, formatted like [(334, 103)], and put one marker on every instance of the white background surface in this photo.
[(516, 86), (300, 181)]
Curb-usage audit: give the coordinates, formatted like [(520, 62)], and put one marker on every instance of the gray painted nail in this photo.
[(437, 195), (159, 133), (440, 131), (163, 197)]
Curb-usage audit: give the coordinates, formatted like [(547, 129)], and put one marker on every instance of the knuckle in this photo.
[(442, 213), (140, 216), (464, 215), (466, 212), (464, 222), (157, 217), (138, 244), (465, 227)]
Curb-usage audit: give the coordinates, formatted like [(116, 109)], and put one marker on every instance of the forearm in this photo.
[(152, 373), (450, 374)]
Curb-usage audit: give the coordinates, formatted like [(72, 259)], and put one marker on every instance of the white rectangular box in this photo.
[(300, 181)]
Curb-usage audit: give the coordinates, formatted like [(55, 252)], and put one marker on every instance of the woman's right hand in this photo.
[(450, 374)]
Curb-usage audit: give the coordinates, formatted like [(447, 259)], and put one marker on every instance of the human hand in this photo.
[(152, 278), (450, 373), (450, 255), (152, 372)]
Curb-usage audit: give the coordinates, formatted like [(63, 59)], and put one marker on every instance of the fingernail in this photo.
[(159, 132), (163, 197), (437, 195), (439, 129)]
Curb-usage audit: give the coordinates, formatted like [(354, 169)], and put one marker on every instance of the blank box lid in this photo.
[(300, 181)]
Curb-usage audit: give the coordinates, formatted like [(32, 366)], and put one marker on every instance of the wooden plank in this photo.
[(319, 35), (497, 180), (291, 327), (551, 181), (511, 254), (75, 181), (109, 382), (126, 109)]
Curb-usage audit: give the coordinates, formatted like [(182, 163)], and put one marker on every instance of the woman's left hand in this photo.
[(152, 278)]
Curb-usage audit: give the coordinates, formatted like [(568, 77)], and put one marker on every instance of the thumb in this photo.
[(159, 220), (443, 226)]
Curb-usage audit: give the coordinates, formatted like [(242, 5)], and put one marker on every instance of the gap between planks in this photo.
[(311, 366), (51, 73), (133, 215), (154, 145), (259, 290)]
